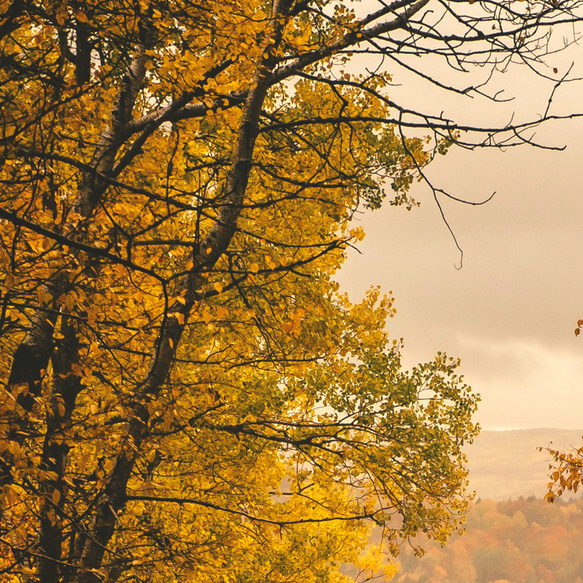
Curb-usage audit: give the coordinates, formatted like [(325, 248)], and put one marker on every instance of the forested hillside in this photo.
[(521, 541), (512, 534)]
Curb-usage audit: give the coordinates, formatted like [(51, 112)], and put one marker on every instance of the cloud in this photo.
[(524, 384), (509, 314)]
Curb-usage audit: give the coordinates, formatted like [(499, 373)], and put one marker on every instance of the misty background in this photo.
[(510, 311)]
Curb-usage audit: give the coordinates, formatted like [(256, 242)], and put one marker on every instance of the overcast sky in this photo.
[(510, 312)]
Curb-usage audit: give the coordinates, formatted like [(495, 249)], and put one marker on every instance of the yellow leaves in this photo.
[(294, 325), (206, 314), (13, 447), (51, 515), (62, 13), (179, 317), (357, 233), (248, 416), (8, 283), (58, 407), (373, 562), (80, 16), (191, 573), (221, 312), (10, 493), (566, 472)]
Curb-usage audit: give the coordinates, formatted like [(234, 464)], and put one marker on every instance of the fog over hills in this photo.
[(507, 464)]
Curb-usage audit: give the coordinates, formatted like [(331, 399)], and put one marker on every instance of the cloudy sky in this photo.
[(510, 312)]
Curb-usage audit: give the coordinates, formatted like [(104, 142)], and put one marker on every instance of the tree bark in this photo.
[(213, 246)]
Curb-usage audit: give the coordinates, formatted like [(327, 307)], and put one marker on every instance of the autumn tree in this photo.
[(186, 395)]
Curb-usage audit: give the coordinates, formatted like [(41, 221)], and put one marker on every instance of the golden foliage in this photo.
[(186, 394)]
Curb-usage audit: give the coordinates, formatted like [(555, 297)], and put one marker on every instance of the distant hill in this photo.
[(512, 535), (520, 541), (507, 464)]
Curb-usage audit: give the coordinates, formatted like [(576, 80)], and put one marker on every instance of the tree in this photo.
[(566, 472), (186, 393)]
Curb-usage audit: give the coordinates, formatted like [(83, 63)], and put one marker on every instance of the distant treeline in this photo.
[(522, 541)]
